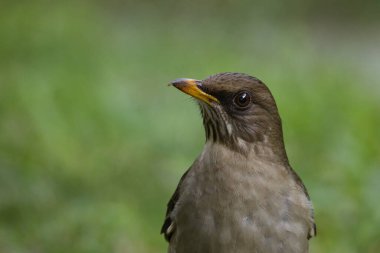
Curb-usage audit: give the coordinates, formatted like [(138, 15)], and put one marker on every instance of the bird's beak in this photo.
[(191, 87)]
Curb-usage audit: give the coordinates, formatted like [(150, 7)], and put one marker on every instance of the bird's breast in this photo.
[(232, 200)]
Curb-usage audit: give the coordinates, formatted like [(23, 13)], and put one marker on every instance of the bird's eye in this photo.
[(242, 99)]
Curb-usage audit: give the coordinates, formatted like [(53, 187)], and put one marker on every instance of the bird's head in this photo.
[(237, 109)]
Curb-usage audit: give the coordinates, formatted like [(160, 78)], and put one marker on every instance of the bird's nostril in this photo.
[(245, 173), (178, 82), (202, 87)]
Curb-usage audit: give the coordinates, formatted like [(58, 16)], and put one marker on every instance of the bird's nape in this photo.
[(237, 110), (240, 194)]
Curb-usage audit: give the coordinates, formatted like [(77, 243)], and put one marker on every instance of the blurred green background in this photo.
[(93, 142)]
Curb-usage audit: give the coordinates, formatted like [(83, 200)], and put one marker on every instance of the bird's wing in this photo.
[(168, 227), (313, 227)]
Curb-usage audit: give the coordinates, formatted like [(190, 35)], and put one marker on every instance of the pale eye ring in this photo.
[(242, 99)]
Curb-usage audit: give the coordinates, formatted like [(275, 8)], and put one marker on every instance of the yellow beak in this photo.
[(191, 87)]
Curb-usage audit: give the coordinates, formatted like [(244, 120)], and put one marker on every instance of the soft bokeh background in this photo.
[(93, 142)]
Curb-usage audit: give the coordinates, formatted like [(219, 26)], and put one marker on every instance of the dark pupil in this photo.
[(243, 99)]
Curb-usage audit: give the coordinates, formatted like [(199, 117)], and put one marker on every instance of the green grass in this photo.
[(93, 142)]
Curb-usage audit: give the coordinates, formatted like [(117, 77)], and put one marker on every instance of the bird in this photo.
[(240, 194)]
